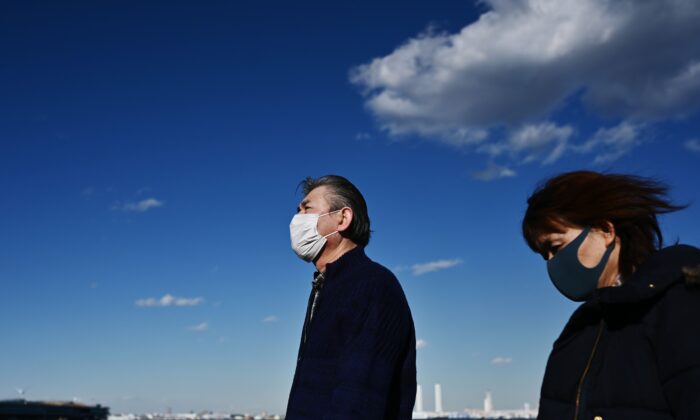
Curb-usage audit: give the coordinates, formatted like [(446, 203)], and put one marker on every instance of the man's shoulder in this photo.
[(360, 276), (375, 286), (376, 274)]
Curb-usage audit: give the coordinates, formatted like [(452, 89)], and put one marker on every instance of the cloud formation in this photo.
[(522, 60), (169, 300), (612, 143), (493, 172), (420, 269), (140, 206), (421, 344), (693, 145), (545, 142), (500, 360), (363, 136), (200, 327), (270, 318)]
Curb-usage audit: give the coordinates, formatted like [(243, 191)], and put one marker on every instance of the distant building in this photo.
[(438, 398), (419, 413), (488, 403), (419, 399), (489, 411), (50, 410)]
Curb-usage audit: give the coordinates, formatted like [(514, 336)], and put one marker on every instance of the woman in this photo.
[(632, 349)]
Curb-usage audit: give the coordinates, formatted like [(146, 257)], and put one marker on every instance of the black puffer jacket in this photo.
[(632, 352)]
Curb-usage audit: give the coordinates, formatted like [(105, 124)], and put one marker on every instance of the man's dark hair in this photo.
[(344, 194), (584, 198)]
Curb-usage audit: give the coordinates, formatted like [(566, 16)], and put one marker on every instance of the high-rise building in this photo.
[(419, 399), (438, 398), (488, 402)]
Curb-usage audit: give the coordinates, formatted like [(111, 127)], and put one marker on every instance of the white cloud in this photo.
[(501, 360), (270, 318), (612, 143), (521, 60), (494, 171), (139, 207), (421, 344), (545, 142), (200, 327), (419, 269), (693, 145), (169, 300), (363, 136)]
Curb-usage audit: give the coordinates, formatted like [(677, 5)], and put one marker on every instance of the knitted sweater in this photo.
[(357, 358)]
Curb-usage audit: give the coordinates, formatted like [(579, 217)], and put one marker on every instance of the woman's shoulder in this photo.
[(677, 274), (671, 265), (678, 251), (586, 316)]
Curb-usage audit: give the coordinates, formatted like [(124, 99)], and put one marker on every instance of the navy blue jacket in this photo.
[(632, 352), (357, 358)]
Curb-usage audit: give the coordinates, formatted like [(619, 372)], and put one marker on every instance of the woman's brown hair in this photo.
[(585, 198)]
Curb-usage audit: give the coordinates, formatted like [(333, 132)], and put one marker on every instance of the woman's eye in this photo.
[(550, 251)]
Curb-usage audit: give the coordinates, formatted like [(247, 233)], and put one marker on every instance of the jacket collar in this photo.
[(659, 272), (349, 259)]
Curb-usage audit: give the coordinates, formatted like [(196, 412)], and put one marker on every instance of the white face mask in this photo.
[(306, 241)]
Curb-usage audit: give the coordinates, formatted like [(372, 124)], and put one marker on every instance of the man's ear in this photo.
[(346, 221)]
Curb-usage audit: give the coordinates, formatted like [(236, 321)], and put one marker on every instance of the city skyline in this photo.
[(150, 156)]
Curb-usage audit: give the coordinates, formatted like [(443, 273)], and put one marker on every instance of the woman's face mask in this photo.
[(574, 280)]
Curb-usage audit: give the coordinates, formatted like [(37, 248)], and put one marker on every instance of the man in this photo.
[(357, 358)]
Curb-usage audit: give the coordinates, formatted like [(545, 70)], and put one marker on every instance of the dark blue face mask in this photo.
[(574, 280)]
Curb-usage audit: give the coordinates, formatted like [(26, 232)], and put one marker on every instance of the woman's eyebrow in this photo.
[(543, 243), (547, 245)]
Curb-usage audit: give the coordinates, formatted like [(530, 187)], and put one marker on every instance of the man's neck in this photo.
[(330, 255)]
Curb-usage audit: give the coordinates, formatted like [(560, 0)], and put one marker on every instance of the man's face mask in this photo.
[(307, 243)]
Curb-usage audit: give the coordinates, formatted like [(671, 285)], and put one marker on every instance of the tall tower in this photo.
[(438, 398), (419, 399), (488, 402)]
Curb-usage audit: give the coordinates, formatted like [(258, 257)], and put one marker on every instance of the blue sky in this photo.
[(150, 154)]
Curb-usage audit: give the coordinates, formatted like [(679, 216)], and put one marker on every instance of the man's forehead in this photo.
[(317, 195)]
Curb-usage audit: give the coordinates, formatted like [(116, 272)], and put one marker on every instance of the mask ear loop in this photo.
[(608, 252), (606, 256), (331, 212)]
